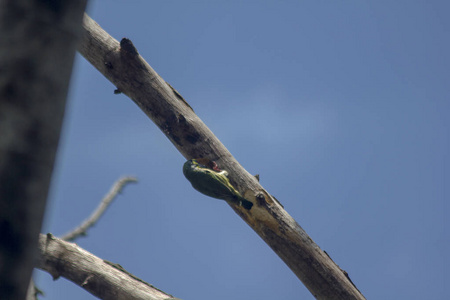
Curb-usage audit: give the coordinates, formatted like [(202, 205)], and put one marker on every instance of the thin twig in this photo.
[(106, 201)]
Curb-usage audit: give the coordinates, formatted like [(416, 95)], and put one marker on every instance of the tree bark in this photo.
[(124, 67), (37, 48), (99, 277)]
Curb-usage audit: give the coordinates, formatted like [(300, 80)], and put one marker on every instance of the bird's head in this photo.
[(189, 165)]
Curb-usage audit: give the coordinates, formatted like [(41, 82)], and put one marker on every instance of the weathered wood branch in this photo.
[(133, 76), (37, 47), (101, 278)]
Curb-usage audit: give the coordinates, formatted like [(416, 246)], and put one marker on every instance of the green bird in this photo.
[(213, 183)]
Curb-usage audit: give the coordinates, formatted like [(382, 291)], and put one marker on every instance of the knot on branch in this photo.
[(127, 47)]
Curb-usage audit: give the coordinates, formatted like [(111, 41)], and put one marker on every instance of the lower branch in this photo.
[(99, 277)]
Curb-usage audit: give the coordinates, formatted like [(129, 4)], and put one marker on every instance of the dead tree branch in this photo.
[(125, 68), (99, 277)]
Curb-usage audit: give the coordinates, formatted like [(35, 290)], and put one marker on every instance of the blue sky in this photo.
[(341, 107)]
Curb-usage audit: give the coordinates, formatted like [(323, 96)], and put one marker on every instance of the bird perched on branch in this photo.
[(209, 180)]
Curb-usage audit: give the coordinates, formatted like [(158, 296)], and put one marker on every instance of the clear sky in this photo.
[(342, 107)]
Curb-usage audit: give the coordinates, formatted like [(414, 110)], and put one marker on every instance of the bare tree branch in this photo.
[(99, 277), (37, 48), (81, 231), (132, 75), (99, 211)]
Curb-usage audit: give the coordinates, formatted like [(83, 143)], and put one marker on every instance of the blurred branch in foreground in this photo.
[(37, 48)]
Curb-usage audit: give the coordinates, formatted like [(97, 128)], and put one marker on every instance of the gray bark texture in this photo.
[(132, 75), (37, 48), (99, 277)]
